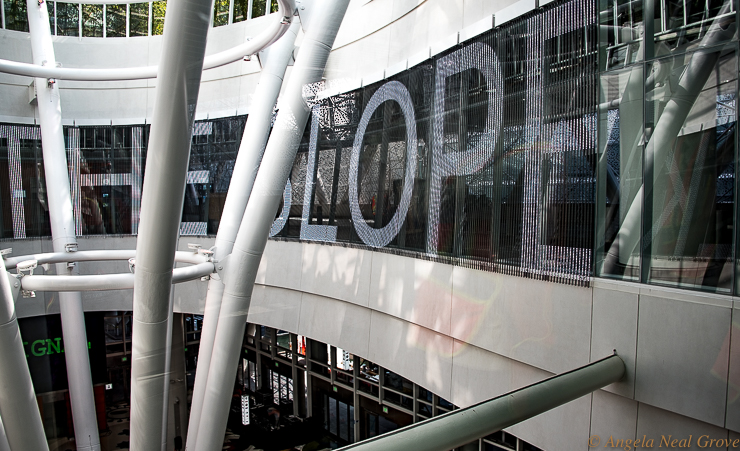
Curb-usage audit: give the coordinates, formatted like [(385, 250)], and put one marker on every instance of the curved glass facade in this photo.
[(667, 144), (531, 149), (124, 20)]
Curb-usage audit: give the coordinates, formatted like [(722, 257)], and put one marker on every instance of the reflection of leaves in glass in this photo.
[(50, 8), (139, 19), (92, 20), (274, 6), (68, 19), (158, 10), (240, 10), (15, 15), (115, 21), (220, 12), (258, 8)]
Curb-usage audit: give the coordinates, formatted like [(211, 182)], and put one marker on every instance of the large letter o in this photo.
[(392, 90)]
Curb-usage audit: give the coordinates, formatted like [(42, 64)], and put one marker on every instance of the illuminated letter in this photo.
[(35, 350), (315, 232), (444, 164), (51, 348), (392, 90)]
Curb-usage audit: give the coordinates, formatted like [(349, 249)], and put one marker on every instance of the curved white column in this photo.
[(178, 81), (63, 231), (247, 163), (254, 229)]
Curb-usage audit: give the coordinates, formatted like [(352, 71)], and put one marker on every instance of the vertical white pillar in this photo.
[(178, 82), (63, 231)]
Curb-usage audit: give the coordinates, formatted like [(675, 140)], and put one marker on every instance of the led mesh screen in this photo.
[(483, 155)]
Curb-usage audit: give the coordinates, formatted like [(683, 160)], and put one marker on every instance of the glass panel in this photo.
[(369, 370), (274, 6), (106, 210), (345, 360), (6, 211), (158, 11), (15, 15), (443, 403), (369, 388), (343, 421), (68, 19), (399, 383), (333, 416), (621, 29), (425, 409), (115, 21), (619, 190), (92, 21), (35, 202), (138, 19), (240, 10), (425, 394), (50, 9), (689, 161), (220, 12), (258, 8), (212, 156), (683, 25)]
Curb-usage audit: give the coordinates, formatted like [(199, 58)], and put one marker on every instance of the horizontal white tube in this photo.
[(91, 256), (255, 45), (107, 281)]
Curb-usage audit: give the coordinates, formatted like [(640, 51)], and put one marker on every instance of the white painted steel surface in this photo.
[(263, 202), (460, 427), (61, 215), (178, 81), (247, 163), (21, 420)]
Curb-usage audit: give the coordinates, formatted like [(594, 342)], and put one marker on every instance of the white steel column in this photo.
[(251, 149), (267, 192), (20, 412), (63, 231), (178, 82)]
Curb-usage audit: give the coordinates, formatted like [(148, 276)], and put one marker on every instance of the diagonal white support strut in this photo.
[(248, 160), (253, 231), (463, 426)]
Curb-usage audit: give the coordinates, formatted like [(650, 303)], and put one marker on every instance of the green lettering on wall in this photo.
[(51, 348), (35, 350)]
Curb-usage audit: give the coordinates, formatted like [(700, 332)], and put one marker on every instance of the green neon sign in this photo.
[(46, 346)]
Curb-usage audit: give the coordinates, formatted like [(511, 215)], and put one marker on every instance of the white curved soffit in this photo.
[(260, 42)]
